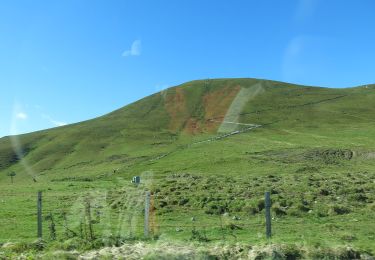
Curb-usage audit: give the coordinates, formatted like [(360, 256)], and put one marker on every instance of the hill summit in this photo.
[(207, 151), (196, 110)]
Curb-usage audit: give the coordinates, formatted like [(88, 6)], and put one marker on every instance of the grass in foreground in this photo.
[(314, 153)]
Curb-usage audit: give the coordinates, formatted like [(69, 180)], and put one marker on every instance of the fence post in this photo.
[(147, 213), (268, 214), (89, 220), (39, 206)]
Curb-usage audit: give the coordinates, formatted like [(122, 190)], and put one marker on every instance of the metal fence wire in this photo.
[(137, 215)]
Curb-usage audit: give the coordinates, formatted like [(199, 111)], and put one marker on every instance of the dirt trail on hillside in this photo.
[(212, 139), (216, 138)]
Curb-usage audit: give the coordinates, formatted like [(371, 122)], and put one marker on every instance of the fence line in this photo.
[(92, 213)]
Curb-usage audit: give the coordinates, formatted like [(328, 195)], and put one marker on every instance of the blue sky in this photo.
[(67, 61)]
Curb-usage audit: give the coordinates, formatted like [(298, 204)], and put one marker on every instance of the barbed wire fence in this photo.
[(96, 215), (133, 213)]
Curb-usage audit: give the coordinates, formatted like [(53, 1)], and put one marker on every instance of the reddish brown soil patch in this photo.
[(193, 126), (216, 104), (176, 106)]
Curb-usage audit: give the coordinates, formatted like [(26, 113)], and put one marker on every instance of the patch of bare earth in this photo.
[(175, 104), (216, 104), (193, 127)]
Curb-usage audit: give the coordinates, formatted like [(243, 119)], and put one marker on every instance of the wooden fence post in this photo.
[(147, 213), (268, 214), (39, 206), (89, 219)]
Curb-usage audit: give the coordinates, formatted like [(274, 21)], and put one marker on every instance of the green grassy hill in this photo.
[(210, 149)]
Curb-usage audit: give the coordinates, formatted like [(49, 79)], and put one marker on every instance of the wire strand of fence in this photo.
[(172, 196), (54, 204)]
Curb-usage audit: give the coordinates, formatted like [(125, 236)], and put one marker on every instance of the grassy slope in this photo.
[(315, 151)]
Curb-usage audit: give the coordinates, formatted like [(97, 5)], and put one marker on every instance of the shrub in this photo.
[(183, 201), (216, 208), (295, 212), (261, 205), (279, 210), (163, 203), (251, 208), (321, 211), (303, 208), (359, 197), (339, 210)]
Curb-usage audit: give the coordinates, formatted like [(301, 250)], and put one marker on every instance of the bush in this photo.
[(339, 210), (303, 208), (321, 212), (251, 209), (295, 212), (163, 203), (183, 201), (359, 197), (261, 205), (72, 244), (237, 206), (216, 208), (199, 236), (279, 210)]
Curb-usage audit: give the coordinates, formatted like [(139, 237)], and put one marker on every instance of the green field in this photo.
[(208, 151)]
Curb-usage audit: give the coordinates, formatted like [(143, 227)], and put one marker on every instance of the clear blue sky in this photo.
[(67, 61)]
